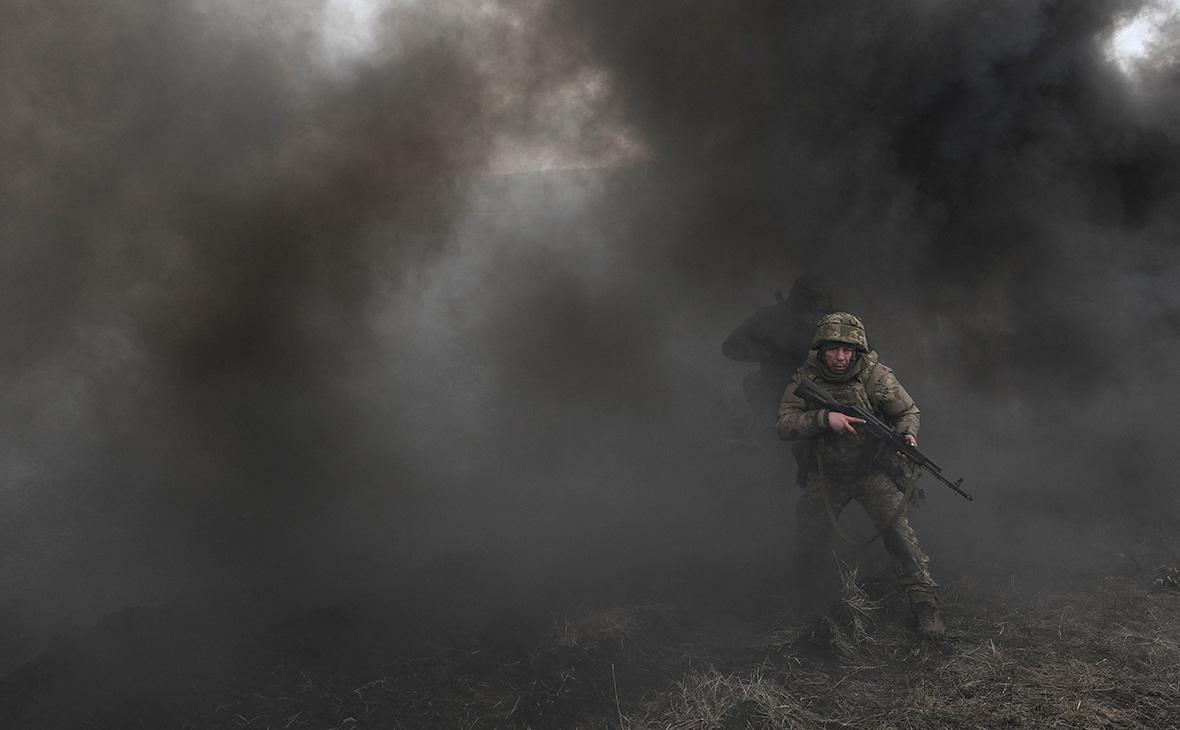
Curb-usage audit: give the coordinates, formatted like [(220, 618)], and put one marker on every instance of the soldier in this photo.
[(776, 338), (844, 464)]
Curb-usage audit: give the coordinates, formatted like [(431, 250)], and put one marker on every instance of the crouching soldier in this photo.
[(845, 464)]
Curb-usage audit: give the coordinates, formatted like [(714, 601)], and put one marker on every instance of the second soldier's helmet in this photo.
[(811, 292), (840, 327)]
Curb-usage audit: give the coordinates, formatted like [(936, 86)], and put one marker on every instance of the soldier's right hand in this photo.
[(841, 423)]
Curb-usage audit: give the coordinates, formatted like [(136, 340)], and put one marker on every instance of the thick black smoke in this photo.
[(991, 192), (281, 321), (204, 222)]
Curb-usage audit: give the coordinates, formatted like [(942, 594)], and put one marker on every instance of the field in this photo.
[(1095, 648)]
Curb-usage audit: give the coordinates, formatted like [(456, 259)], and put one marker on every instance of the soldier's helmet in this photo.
[(840, 327)]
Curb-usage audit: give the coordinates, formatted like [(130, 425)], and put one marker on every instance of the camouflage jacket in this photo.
[(869, 384)]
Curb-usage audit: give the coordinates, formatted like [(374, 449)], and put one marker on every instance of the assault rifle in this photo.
[(808, 390)]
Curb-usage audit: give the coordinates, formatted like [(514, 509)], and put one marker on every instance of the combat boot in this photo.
[(930, 624)]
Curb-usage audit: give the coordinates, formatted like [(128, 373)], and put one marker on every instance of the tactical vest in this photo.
[(847, 456)]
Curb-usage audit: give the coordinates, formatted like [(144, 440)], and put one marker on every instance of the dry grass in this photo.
[(1169, 578), (597, 627), (1101, 652), (1104, 655), (849, 623), (712, 699)]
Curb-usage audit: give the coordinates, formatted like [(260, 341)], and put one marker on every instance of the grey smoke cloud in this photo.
[(268, 315), (200, 221)]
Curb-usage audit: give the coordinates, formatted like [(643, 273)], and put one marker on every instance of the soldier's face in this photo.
[(838, 358)]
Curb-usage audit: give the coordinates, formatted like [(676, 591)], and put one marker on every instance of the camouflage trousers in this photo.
[(881, 500)]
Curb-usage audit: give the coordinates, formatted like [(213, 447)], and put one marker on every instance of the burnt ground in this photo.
[(1093, 648)]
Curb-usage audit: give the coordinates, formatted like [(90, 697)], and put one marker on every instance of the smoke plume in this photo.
[(302, 319)]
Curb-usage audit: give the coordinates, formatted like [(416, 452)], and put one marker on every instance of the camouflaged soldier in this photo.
[(845, 464)]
